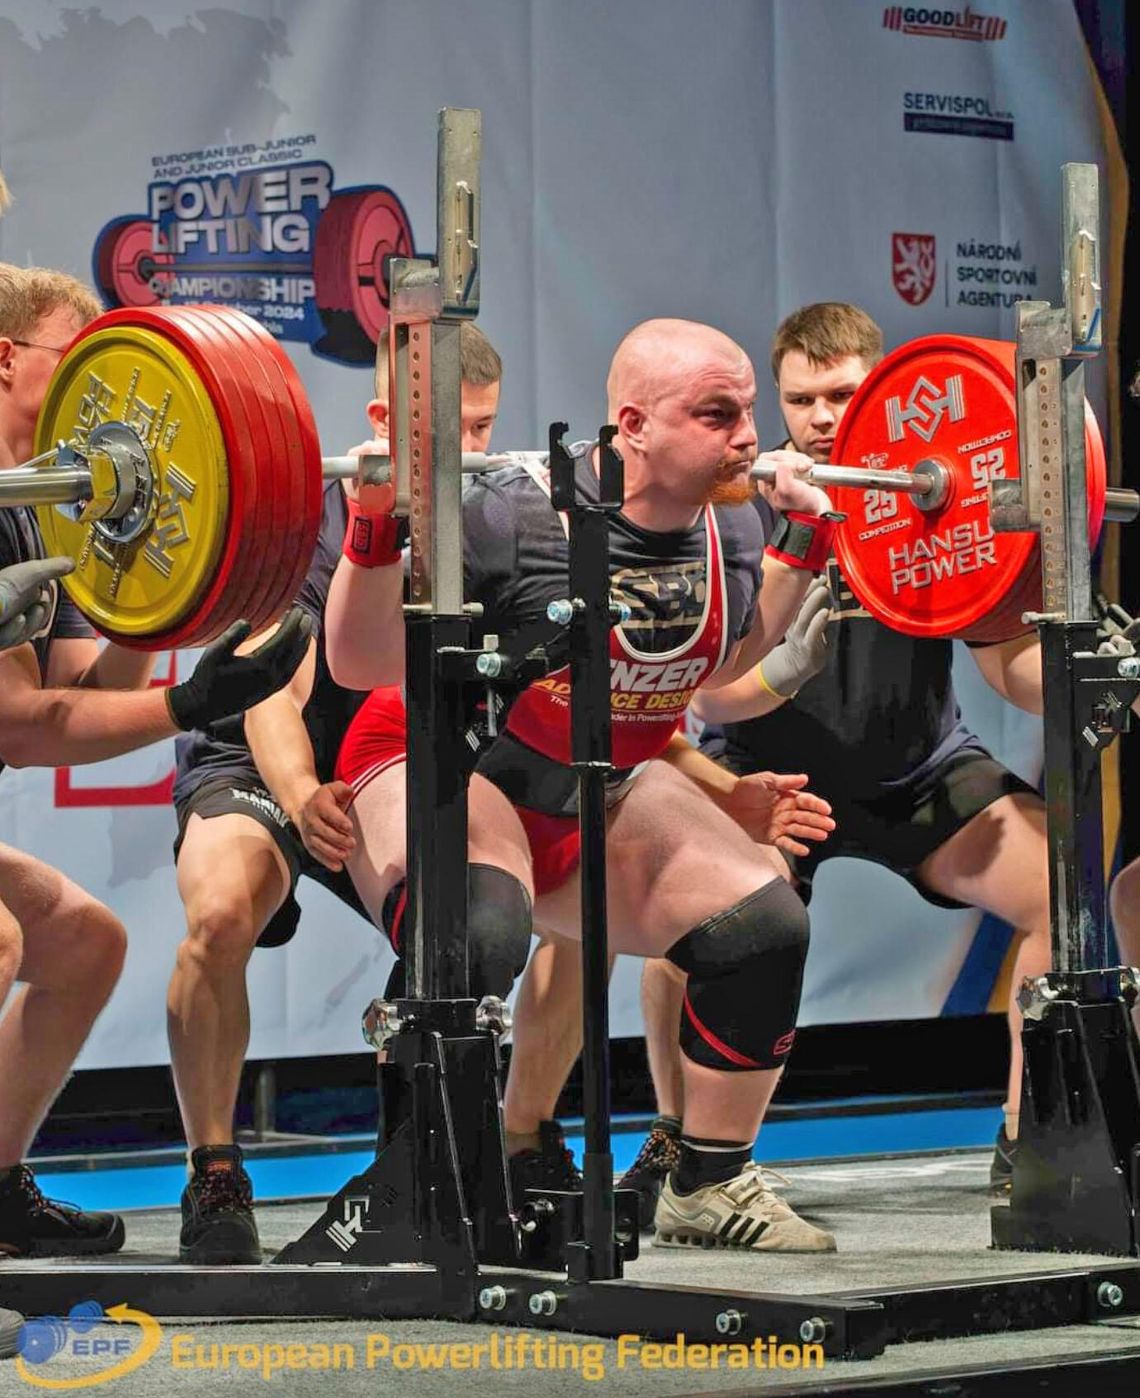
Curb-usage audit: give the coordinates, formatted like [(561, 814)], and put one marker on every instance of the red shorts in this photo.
[(555, 848), (377, 739)]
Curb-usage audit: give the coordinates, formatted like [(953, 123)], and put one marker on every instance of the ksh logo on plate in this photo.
[(90, 1347)]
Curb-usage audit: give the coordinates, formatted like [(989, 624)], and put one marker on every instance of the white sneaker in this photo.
[(743, 1212)]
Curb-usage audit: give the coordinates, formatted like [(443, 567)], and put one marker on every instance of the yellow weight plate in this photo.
[(124, 373)]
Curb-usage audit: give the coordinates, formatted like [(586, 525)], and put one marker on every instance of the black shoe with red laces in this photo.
[(218, 1227), (32, 1226)]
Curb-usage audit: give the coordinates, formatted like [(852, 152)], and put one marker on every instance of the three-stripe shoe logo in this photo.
[(740, 1231)]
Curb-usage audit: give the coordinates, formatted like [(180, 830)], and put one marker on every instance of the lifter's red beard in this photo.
[(730, 486)]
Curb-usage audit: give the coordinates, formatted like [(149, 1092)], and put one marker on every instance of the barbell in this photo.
[(178, 463)]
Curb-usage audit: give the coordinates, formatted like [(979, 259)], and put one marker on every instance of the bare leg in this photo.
[(674, 860), (546, 1038), (72, 951), (232, 878), (998, 862), (380, 860), (662, 991)]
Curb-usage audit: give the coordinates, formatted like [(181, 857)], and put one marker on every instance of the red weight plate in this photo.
[(234, 569), (942, 572), (276, 408), (1097, 469), (126, 263), (217, 613), (283, 386), (270, 456), (359, 231), (252, 573)]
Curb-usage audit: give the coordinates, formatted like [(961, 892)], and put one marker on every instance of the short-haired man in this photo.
[(870, 714), (257, 808), (684, 880), (64, 701)]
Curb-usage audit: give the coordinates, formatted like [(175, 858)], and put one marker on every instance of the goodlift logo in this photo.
[(310, 261), (934, 23)]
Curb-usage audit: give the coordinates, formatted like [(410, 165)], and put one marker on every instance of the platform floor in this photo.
[(905, 1220)]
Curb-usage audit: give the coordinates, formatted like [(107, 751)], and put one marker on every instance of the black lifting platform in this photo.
[(430, 1228)]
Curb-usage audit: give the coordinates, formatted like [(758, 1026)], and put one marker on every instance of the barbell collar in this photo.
[(1121, 506)]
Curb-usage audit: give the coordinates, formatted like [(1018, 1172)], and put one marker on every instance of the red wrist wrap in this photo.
[(805, 541), (370, 540)]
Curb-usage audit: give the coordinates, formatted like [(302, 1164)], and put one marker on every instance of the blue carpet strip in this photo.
[(322, 1172)]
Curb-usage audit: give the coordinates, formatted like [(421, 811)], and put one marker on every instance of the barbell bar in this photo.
[(54, 484)]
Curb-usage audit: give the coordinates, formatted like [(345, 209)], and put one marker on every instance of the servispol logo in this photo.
[(944, 24), (956, 114), (914, 266)]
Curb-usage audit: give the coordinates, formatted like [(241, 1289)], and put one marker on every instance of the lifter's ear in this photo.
[(631, 424), (7, 359), (378, 416)]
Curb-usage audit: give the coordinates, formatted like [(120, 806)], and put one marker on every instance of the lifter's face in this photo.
[(478, 408), (700, 435), (814, 397)]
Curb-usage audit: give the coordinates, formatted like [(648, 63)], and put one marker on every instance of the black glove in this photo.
[(24, 598), (224, 683)]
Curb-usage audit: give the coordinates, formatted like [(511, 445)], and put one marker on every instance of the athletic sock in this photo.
[(706, 1162)]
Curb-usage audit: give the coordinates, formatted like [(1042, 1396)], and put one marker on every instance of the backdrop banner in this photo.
[(726, 161)]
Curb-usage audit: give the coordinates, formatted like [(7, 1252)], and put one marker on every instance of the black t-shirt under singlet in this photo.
[(516, 562), (221, 750), (881, 714)]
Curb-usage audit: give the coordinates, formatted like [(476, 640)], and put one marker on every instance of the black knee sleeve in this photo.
[(498, 930), (745, 969)]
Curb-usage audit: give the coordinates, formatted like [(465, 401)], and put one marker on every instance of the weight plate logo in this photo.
[(926, 405)]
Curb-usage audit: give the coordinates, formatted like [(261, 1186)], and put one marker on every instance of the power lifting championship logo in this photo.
[(262, 229)]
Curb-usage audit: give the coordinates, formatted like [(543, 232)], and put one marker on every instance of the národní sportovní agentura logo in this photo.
[(914, 266), (941, 22), (96, 1358), (276, 240)]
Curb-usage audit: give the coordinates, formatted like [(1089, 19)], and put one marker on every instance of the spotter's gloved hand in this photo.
[(25, 597), (223, 683), (803, 651)]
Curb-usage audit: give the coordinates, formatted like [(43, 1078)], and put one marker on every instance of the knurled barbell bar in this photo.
[(185, 462)]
